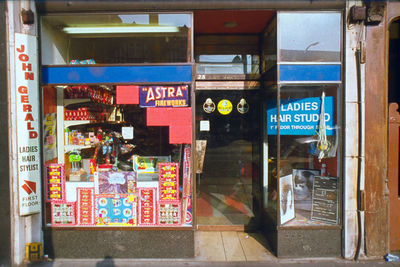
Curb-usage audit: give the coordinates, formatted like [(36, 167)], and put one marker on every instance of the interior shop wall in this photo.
[(55, 43), (5, 244)]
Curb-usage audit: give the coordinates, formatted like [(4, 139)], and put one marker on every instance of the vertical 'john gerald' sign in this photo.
[(28, 140)]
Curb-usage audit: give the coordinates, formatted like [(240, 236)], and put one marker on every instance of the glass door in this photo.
[(228, 125)]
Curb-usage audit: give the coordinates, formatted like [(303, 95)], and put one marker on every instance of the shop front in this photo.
[(268, 128), (156, 125), (140, 125), (117, 112)]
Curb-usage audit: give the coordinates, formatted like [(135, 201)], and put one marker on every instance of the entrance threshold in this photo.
[(232, 246), (237, 228)]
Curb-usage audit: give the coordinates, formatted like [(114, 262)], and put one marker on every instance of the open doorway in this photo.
[(228, 50), (394, 124)]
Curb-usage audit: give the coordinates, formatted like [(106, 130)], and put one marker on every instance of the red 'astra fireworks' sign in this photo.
[(163, 96)]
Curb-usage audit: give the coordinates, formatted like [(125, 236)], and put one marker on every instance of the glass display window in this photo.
[(309, 138), (116, 38), (228, 64), (227, 54), (309, 36), (110, 122), (118, 155), (302, 134)]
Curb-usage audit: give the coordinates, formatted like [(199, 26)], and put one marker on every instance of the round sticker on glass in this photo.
[(243, 107), (224, 107), (209, 106)]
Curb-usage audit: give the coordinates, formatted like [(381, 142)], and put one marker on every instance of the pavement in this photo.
[(334, 262), (220, 249)]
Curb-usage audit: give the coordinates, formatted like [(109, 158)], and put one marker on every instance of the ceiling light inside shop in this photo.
[(135, 29)]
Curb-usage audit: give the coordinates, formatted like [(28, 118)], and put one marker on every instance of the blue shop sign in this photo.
[(300, 116), (164, 96)]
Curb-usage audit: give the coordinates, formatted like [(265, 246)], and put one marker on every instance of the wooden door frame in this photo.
[(376, 134)]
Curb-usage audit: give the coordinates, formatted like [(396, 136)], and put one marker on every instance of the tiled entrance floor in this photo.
[(225, 187), (231, 246), (224, 204)]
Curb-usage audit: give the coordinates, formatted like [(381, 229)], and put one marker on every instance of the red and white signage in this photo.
[(63, 213), (169, 213), (54, 182), (85, 206), (147, 209), (27, 113), (168, 178)]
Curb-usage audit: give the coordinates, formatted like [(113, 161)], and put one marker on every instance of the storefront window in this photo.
[(227, 54), (117, 135), (116, 39), (303, 121), (117, 155), (309, 36), (228, 64), (309, 187)]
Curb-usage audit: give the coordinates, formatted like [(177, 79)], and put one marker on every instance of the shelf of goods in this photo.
[(72, 101), (86, 101), (75, 123), (69, 148), (62, 123)]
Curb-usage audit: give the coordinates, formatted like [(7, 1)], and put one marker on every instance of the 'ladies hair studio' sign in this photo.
[(300, 116)]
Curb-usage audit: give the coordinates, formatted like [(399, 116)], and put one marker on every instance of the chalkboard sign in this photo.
[(325, 199)]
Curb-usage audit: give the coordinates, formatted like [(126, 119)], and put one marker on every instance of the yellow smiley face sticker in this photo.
[(224, 107)]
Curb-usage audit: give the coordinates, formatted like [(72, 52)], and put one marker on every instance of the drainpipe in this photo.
[(356, 19), (360, 191)]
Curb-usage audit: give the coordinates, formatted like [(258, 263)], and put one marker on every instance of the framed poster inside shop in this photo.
[(303, 187), (325, 200), (286, 196)]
